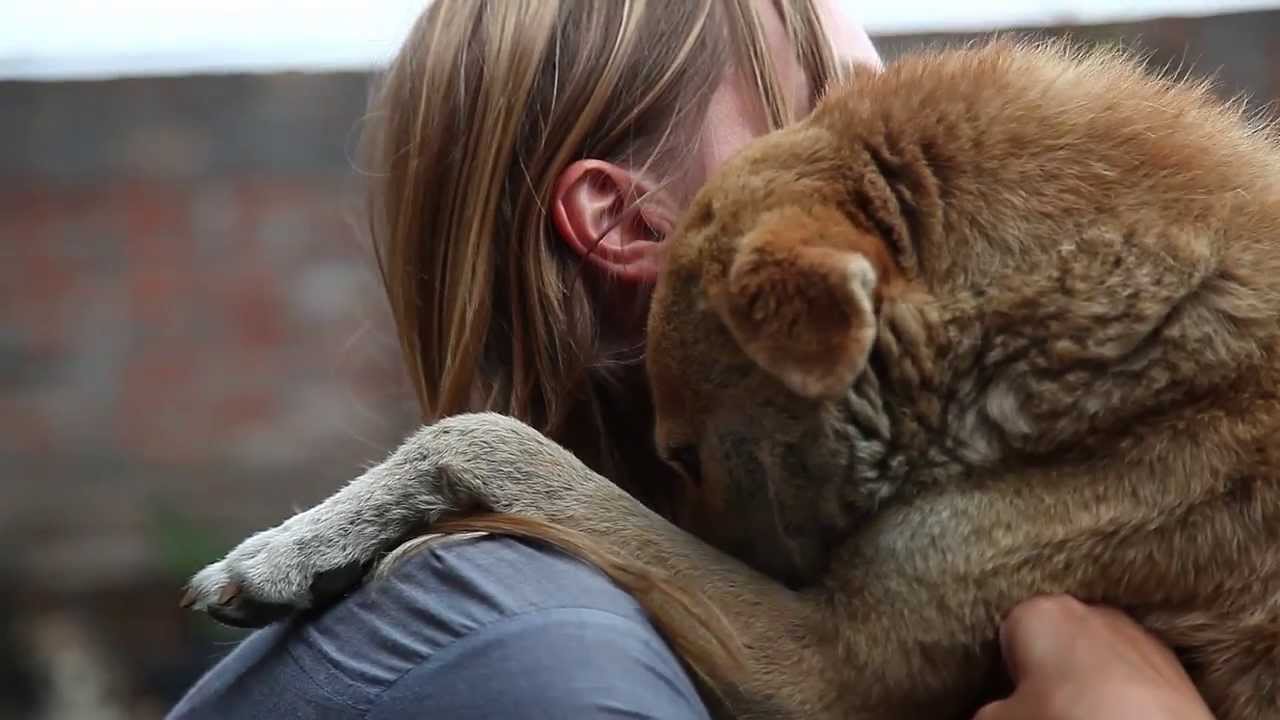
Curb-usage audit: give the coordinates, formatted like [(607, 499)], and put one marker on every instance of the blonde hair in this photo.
[(485, 105)]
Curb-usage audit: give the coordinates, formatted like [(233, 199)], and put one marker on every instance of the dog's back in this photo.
[(1072, 385)]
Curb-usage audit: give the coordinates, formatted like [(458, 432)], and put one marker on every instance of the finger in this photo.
[(1006, 709), (1007, 652), (1034, 633), (1138, 642)]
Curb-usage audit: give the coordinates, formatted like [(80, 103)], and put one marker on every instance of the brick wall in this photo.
[(192, 343), (190, 327)]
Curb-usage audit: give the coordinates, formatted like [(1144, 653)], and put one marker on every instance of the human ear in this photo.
[(595, 215)]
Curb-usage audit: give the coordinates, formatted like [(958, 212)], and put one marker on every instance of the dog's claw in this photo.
[(231, 601), (261, 581), (228, 593), (243, 612)]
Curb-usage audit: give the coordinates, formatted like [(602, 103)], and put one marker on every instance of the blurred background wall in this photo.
[(193, 344)]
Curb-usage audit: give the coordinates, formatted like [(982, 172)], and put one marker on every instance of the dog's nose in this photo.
[(686, 460)]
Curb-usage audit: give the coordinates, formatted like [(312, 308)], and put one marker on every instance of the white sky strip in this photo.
[(104, 38)]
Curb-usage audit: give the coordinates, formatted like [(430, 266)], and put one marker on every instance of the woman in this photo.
[(528, 157)]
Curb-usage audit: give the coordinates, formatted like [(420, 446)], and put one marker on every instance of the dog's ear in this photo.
[(800, 298)]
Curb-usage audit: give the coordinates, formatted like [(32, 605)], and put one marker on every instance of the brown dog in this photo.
[(994, 323)]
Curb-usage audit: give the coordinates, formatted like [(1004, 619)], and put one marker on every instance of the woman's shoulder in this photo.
[(475, 579), (451, 587), (484, 626)]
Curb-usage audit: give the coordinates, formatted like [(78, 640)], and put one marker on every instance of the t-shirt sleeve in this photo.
[(550, 663)]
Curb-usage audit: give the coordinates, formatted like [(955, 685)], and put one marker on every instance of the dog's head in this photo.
[(763, 320)]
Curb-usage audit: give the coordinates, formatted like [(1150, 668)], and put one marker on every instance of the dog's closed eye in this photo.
[(686, 460)]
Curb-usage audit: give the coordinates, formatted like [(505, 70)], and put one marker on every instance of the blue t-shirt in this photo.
[(466, 628)]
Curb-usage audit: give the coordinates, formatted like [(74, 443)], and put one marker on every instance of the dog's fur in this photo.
[(996, 322)]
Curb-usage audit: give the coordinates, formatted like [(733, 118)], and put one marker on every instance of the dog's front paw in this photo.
[(481, 461), (269, 577)]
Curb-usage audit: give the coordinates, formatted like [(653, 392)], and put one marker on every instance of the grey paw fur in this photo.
[(265, 579), (476, 461)]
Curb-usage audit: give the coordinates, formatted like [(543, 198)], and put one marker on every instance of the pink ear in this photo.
[(595, 217), (800, 298)]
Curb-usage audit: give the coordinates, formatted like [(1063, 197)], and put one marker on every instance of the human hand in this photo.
[(1071, 661)]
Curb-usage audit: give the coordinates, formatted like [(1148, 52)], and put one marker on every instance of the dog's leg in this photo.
[(491, 462)]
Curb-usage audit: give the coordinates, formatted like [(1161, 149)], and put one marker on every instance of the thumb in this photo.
[(1007, 709), (1035, 634), (1008, 652)]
